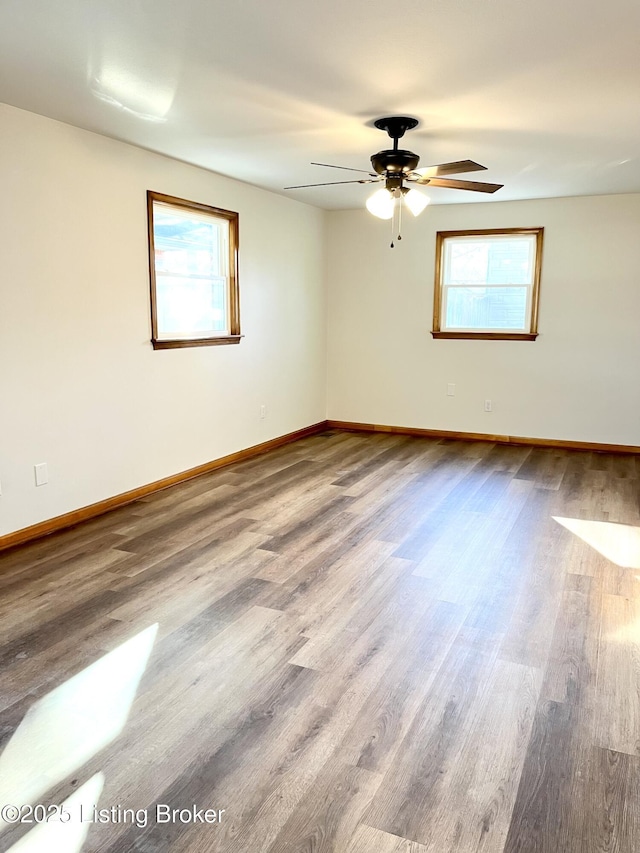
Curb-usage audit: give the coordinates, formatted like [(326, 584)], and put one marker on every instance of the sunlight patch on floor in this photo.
[(70, 725), (619, 543)]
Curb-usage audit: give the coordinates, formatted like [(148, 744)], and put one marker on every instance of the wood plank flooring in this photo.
[(362, 643)]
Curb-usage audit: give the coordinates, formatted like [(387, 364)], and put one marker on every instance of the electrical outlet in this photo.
[(42, 475), (451, 389), (488, 406), (263, 411)]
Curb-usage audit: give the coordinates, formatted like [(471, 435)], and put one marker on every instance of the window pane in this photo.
[(489, 260), (187, 244), (191, 307), (486, 308)]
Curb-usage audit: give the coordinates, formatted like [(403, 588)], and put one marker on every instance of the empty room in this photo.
[(319, 427)]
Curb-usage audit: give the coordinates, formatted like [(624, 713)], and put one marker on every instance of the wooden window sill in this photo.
[(486, 336), (198, 342)]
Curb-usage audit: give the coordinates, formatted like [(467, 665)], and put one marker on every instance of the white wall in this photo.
[(579, 381), (80, 386)]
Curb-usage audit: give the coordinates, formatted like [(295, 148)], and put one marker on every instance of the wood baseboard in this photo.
[(481, 436), (69, 519)]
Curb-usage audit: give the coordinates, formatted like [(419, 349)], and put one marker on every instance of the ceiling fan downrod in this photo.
[(395, 163)]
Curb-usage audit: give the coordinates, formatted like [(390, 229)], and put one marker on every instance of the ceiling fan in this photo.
[(397, 167)]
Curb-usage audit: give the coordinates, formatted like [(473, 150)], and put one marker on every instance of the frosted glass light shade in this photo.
[(416, 201), (381, 204)]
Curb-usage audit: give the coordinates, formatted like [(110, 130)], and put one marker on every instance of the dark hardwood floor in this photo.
[(355, 643)]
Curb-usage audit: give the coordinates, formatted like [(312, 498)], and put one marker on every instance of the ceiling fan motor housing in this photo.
[(397, 162)]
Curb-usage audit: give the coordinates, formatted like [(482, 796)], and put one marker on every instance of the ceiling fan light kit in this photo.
[(415, 201), (396, 166), (381, 204)]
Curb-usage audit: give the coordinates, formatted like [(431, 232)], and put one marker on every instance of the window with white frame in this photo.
[(488, 284), (193, 267)]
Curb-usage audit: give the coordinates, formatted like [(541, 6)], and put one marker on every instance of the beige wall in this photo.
[(579, 381), (82, 389), (80, 386)]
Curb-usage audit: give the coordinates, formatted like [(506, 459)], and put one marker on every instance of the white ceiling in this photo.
[(543, 92)]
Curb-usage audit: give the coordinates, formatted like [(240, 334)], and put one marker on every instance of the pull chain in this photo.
[(393, 219), (397, 209)]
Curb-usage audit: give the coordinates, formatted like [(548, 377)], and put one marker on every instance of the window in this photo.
[(193, 267), (487, 284)]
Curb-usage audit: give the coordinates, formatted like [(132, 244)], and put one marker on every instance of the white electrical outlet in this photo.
[(42, 475), (487, 406), (263, 411), (451, 389)]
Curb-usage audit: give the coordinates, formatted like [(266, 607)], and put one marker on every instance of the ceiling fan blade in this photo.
[(333, 183), (455, 168), (454, 184), (347, 168)]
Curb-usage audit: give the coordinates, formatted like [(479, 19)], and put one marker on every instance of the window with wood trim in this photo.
[(488, 284), (193, 268)]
